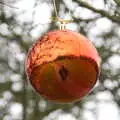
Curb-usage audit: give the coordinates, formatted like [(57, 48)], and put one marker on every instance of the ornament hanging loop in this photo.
[(62, 26), (62, 22)]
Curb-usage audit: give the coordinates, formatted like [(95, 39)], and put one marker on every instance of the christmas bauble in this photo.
[(62, 66)]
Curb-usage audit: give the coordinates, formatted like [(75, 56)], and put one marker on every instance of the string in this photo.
[(55, 8)]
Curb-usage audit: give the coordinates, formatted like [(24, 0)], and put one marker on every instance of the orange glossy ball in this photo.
[(62, 66)]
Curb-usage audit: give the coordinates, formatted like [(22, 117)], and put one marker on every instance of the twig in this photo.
[(6, 4), (24, 115), (101, 12), (85, 20)]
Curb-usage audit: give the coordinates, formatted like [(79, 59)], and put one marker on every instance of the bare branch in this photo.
[(101, 12), (6, 4)]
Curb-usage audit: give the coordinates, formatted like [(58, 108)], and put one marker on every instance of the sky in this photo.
[(106, 108)]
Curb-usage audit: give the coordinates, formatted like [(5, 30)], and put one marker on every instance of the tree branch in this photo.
[(101, 12), (24, 115), (8, 5)]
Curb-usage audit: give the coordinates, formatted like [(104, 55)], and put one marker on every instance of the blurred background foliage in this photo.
[(98, 20)]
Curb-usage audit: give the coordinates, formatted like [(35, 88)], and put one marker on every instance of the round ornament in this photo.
[(62, 66)]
